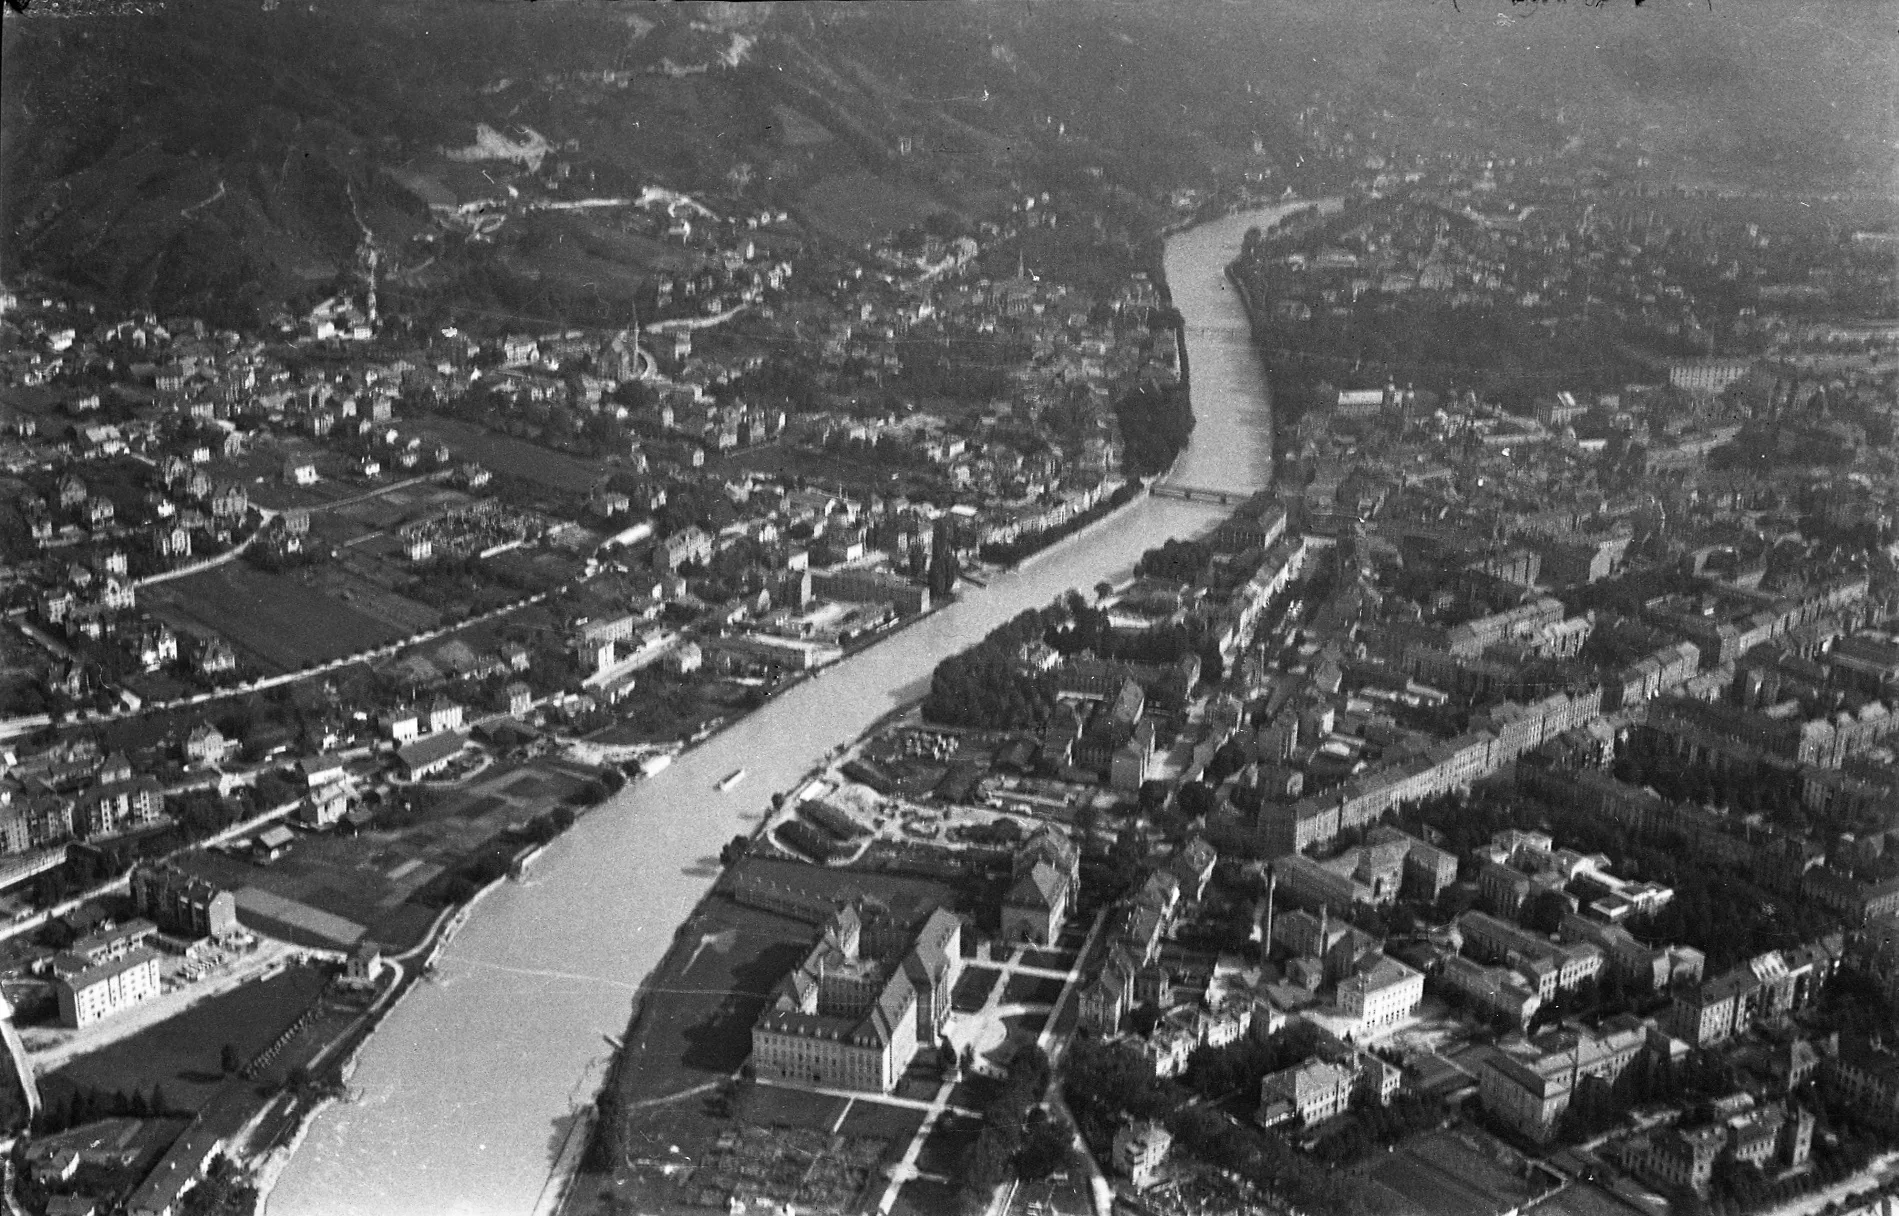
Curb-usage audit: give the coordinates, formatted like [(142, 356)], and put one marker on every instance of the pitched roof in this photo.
[(1041, 887), (431, 749)]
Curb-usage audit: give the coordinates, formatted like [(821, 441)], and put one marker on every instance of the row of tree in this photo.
[(988, 687), (1010, 552), (86, 1105), (1018, 1138)]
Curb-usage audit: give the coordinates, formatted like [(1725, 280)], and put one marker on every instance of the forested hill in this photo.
[(228, 155)]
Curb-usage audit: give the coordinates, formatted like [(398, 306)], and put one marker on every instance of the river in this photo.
[(467, 1089)]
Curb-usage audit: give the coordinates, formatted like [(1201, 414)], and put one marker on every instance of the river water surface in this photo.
[(467, 1089)]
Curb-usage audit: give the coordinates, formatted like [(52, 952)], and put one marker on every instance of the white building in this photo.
[(1140, 1149), (1383, 993), (89, 993)]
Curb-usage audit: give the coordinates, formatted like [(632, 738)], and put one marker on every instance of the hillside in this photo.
[(229, 157)]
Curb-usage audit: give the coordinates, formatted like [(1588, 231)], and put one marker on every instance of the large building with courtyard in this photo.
[(869, 993)]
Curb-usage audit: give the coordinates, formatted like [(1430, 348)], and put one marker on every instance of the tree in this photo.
[(1212, 662), (1544, 911), (603, 1147), (1044, 1148), (986, 1166)]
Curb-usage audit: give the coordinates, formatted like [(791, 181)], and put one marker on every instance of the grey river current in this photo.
[(466, 1091)]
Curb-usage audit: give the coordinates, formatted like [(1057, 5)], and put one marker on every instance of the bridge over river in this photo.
[(471, 1086), (1225, 498)]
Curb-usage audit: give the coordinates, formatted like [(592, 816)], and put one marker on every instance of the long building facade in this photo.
[(867, 995)]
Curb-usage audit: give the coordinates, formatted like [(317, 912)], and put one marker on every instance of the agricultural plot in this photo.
[(818, 1153), (286, 620), (803, 1167), (399, 506), (366, 586)]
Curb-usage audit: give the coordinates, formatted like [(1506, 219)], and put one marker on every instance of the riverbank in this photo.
[(470, 1086), (333, 1082), (330, 1081), (567, 1167)]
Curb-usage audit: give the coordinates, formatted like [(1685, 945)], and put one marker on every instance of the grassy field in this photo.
[(1055, 960), (1031, 988), (362, 582), (972, 988), (182, 1053), (513, 457), (284, 620), (858, 207)]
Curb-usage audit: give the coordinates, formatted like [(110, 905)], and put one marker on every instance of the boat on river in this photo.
[(731, 779)]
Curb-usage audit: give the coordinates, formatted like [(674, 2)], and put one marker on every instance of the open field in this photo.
[(512, 457), (859, 207), (635, 255), (182, 1053), (1447, 1173), (284, 620), (387, 884)]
